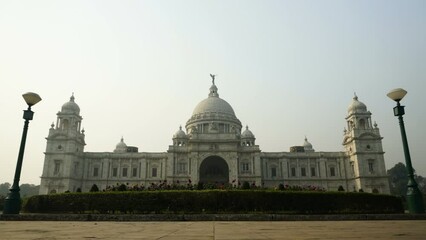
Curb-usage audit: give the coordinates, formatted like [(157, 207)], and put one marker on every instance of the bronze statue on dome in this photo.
[(213, 77)]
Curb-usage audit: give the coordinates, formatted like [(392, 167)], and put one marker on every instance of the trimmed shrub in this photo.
[(246, 185), (2, 199), (94, 188), (215, 201)]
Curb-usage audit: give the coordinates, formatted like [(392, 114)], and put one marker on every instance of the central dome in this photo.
[(214, 105), (214, 110)]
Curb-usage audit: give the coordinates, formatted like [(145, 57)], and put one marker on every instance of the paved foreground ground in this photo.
[(214, 230)]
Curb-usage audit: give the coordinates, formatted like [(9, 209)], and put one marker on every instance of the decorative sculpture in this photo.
[(212, 76)]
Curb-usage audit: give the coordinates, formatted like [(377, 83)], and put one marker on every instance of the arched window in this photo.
[(361, 124), (65, 124)]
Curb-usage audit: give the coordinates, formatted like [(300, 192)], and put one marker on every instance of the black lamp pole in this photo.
[(414, 196), (12, 204)]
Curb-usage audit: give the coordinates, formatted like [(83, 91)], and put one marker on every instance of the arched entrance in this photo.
[(215, 170)]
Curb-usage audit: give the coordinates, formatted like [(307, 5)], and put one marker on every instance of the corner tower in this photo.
[(63, 162), (363, 145)]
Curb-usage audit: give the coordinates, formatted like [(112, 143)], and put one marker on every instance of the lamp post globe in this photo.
[(12, 204), (414, 196)]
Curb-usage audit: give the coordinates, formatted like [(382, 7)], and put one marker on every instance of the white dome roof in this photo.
[(180, 133), (213, 110), (71, 107), (357, 106), (247, 133), (307, 146), (214, 105), (121, 146)]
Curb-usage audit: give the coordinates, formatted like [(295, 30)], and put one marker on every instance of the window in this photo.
[(76, 168), (312, 172), (246, 167), (293, 172), (182, 167), (115, 172), (273, 172), (124, 172), (95, 171), (154, 172), (371, 166), (332, 172), (303, 172), (57, 167), (134, 172)]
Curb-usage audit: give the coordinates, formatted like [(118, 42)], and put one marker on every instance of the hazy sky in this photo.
[(139, 68)]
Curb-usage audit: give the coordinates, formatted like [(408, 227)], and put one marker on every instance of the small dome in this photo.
[(121, 146), (70, 107), (247, 133), (180, 133), (307, 146), (357, 106)]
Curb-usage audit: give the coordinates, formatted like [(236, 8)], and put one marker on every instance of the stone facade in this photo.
[(215, 149)]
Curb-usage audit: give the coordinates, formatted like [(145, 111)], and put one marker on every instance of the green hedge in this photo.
[(214, 201)]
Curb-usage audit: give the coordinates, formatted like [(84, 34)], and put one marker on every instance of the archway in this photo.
[(215, 170)]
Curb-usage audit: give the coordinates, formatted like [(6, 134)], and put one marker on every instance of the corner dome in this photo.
[(121, 146), (70, 107), (357, 106), (180, 133), (307, 146), (247, 133)]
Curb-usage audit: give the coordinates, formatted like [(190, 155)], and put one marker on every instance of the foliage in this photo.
[(215, 201), (398, 180), (2, 198), (4, 188), (246, 185), (26, 190), (94, 188)]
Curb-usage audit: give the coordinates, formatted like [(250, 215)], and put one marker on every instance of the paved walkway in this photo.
[(214, 230)]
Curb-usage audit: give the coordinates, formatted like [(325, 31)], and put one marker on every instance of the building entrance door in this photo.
[(214, 170)]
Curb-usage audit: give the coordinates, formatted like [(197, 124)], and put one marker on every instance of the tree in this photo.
[(4, 188), (398, 179), (28, 190), (94, 188)]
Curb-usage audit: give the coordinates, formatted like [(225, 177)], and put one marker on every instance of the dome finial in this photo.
[(213, 88), (213, 77), (355, 96), (72, 97)]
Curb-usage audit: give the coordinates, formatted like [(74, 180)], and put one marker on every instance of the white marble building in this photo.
[(215, 148)]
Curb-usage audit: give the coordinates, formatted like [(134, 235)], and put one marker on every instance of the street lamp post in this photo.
[(12, 204), (414, 196)]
